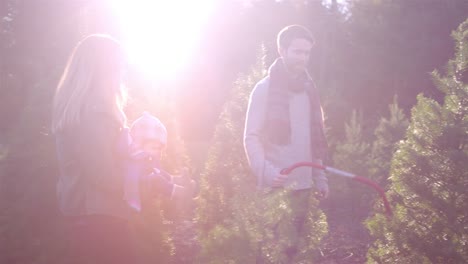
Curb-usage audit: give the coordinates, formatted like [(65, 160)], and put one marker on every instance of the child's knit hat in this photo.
[(148, 127)]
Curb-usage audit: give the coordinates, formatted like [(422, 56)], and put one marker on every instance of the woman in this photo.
[(87, 120)]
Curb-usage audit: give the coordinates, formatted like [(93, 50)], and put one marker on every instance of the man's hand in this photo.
[(323, 191), (279, 180)]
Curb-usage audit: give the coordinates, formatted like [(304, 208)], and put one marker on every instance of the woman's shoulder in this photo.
[(263, 84)]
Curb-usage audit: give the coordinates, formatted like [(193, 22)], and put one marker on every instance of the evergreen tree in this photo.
[(349, 201), (31, 225), (387, 134), (31, 229), (226, 156), (393, 44), (429, 186), (236, 220)]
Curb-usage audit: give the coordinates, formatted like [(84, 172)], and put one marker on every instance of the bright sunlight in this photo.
[(160, 35)]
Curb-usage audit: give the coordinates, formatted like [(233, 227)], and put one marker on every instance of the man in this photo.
[(284, 125)]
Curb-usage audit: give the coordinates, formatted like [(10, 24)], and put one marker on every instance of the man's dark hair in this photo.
[(292, 32)]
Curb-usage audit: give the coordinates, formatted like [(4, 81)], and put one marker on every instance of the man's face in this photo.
[(296, 56)]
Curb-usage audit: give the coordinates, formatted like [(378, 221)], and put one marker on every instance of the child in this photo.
[(145, 143)]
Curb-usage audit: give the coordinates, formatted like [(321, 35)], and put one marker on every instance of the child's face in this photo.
[(153, 147)]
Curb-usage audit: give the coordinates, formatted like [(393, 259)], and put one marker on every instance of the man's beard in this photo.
[(296, 67)]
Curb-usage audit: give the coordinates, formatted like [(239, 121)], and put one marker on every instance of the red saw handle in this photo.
[(360, 179)]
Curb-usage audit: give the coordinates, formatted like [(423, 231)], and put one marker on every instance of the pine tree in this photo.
[(428, 183), (31, 228), (348, 204), (225, 173), (387, 134), (31, 225), (235, 220)]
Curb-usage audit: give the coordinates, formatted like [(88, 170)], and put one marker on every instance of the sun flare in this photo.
[(159, 36)]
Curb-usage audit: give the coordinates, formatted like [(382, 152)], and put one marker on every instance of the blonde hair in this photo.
[(91, 80)]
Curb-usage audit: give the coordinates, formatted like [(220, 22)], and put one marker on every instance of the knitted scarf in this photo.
[(278, 125)]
